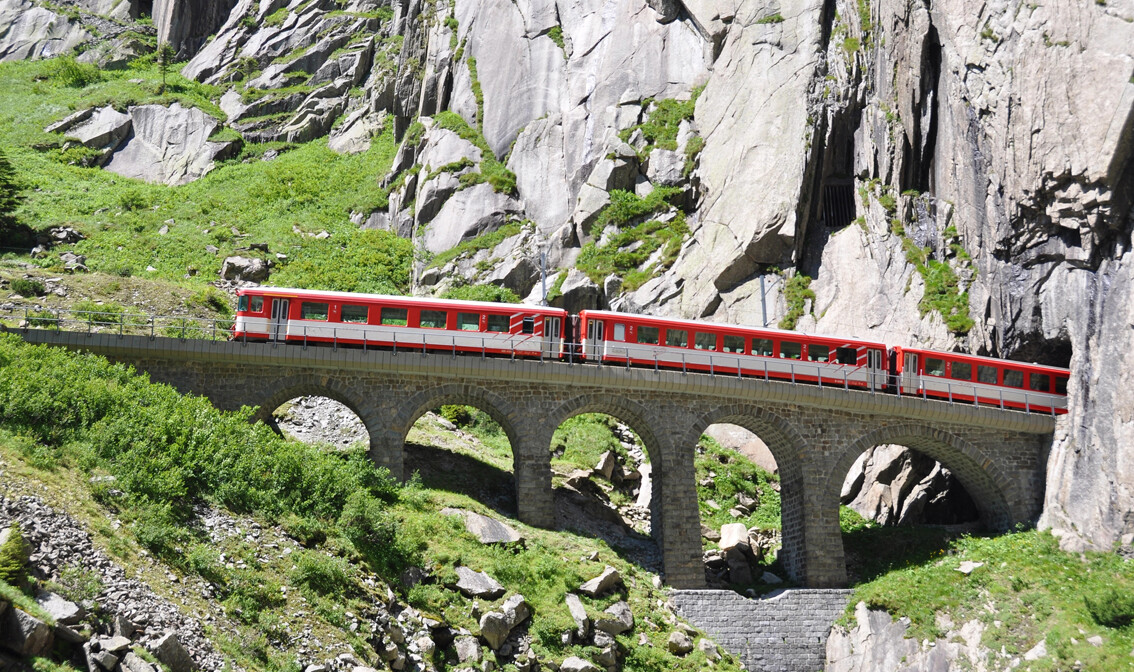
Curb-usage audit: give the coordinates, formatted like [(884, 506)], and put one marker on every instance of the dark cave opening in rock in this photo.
[(1037, 349), (144, 8), (898, 506)]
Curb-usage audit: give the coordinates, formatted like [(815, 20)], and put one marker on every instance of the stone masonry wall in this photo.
[(814, 433), (785, 631)]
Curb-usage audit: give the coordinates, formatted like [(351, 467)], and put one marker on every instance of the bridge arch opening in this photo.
[(738, 483), (320, 419), (602, 457), (906, 491), (461, 440)]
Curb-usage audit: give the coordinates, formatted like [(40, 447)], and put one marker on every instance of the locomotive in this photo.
[(606, 337)]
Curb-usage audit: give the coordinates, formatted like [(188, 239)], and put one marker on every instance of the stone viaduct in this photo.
[(814, 433)]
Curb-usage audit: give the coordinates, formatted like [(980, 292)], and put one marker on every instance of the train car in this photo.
[(342, 318), (981, 380), (690, 345)]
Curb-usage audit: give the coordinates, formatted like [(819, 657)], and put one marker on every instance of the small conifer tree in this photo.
[(165, 56), (14, 555)]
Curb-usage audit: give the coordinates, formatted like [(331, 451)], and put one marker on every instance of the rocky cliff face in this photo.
[(955, 174)]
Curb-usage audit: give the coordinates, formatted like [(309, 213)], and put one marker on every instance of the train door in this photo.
[(552, 332), (910, 377), (874, 369), (595, 336), (279, 319)]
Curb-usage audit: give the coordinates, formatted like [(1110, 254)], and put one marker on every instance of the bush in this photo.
[(493, 293), (1113, 608), (460, 416), (14, 558), (320, 573), (28, 288), (66, 71)]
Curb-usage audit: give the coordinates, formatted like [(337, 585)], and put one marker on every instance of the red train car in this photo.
[(691, 345), (307, 316), (981, 380)]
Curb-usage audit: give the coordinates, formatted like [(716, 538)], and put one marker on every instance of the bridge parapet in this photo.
[(814, 433)]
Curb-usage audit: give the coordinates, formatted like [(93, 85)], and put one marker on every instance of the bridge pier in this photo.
[(815, 434)]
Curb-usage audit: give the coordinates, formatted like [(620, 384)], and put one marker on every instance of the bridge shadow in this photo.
[(576, 512), (874, 551), (446, 470)]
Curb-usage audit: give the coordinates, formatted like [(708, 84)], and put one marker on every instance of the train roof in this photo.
[(719, 325), (391, 298), (993, 360)]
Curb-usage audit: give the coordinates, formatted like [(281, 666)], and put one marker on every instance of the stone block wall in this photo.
[(785, 631)]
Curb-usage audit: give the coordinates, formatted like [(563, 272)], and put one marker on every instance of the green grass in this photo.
[(304, 191), (1026, 591), (943, 293), (616, 257), (485, 241), (660, 130), (580, 441), (797, 292), (771, 18)]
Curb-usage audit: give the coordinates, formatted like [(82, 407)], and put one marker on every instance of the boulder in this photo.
[(104, 660), (59, 608), (577, 664), (468, 649), (616, 619), (116, 644), (739, 571), (733, 535), (186, 24), (603, 583), (353, 136), (668, 10), (104, 129), (579, 615), (489, 530), (32, 32), (606, 464), (665, 168), (169, 145), (495, 626), (25, 634), (476, 584), (468, 214), (132, 662), (578, 292), (116, 54), (679, 643), (707, 647), (169, 651), (243, 268)]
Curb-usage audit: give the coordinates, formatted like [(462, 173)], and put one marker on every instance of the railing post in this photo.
[(334, 339), (1027, 404), (364, 340), (655, 362), (683, 371), (214, 330), (846, 383), (305, 337), (791, 368), (949, 388)]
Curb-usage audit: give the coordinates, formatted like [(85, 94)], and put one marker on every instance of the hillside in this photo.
[(953, 175)]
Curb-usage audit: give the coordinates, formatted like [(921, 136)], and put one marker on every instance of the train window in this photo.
[(734, 344), (498, 323), (762, 347), (1039, 382), (678, 338), (354, 314), (310, 310), (528, 326), (961, 371), (703, 341), (790, 350), (433, 319), (242, 304), (620, 332), (648, 335), (818, 353), (1061, 385), (934, 366), (846, 355), (986, 374), (395, 317), (257, 305), (467, 321), (1013, 378)]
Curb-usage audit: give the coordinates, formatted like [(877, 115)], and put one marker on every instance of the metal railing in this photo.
[(184, 328)]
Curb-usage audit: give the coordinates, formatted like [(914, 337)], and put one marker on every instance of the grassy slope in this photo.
[(306, 190)]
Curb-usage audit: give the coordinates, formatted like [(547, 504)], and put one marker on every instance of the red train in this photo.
[(516, 330)]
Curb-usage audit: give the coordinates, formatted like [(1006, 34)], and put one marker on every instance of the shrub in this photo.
[(1113, 608), (797, 291), (25, 287), (78, 584), (66, 71), (493, 293), (460, 416), (14, 558), (321, 573)]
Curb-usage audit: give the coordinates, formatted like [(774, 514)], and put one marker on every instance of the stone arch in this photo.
[(787, 447), (313, 385), (981, 477), (498, 408), (629, 412)]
